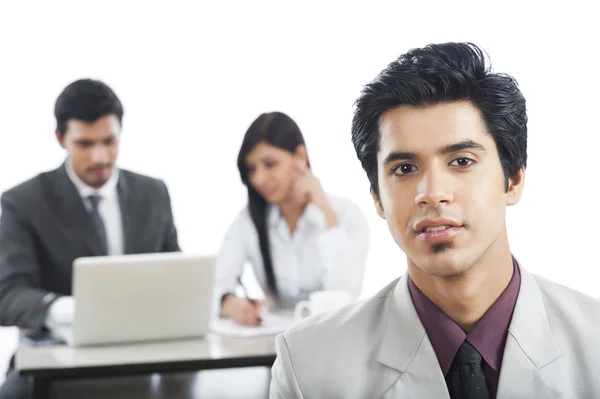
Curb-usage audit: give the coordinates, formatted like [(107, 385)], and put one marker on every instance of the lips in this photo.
[(268, 193), (439, 235), (435, 228), (432, 225), (439, 230)]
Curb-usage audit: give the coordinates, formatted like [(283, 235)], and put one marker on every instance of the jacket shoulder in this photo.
[(140, 180), (30, 190), (340, 347), (144, 186), (568, 305), (352, 321)]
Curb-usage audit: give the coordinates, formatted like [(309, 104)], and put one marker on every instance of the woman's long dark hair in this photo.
[(279, 130)]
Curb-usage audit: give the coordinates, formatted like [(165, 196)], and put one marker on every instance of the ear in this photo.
[(377, 203), (301, 154), (60, 138), (516, 184)]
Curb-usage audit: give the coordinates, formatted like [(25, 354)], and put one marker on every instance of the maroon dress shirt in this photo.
[(488, 336)]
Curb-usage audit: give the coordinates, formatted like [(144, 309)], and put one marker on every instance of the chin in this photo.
[(97, 181), (273, 199), (442, 270), (442, 261)]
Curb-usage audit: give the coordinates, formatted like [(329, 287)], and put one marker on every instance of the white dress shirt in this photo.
[(62, 311), (108, 207), (312, 258)]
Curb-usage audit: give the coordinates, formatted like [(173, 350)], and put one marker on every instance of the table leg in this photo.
[(269, 379), (39, 388)]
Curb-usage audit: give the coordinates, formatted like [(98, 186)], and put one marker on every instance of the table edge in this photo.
[(150, 367)]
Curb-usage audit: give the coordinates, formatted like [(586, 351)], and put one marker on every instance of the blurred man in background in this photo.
[(86, 207)]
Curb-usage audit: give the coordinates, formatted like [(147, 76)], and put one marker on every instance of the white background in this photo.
[(193, 76)]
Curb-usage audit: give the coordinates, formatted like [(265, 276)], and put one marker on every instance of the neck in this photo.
[(291, 212), (467, 296)]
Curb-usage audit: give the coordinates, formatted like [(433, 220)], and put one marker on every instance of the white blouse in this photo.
[(312, 258)]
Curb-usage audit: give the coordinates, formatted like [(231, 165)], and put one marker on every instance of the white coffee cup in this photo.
[(321, 302)]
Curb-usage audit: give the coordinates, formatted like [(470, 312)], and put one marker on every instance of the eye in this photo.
[(462, 162), (404, 169), (85, 143), (271, 164)]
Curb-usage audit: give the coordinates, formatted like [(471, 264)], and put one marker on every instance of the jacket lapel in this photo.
[(70, 210), (406, 349), (530, 346)]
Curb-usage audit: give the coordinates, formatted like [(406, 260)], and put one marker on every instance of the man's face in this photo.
[(441, 186), (92, 148)]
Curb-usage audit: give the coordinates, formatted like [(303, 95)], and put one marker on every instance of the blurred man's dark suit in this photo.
[(44, 227)]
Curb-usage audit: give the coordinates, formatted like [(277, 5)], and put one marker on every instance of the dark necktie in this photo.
[(98, 222), (470, 373)]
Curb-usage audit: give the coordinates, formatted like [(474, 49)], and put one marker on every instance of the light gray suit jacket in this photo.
[(378, 348), (44, 226)]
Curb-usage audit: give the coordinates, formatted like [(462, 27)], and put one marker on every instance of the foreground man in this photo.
[(443, 140)]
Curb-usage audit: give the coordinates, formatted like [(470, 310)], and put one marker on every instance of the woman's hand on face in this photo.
[(307, 187), (243, 310)]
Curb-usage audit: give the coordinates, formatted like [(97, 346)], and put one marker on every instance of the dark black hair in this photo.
[(436, 74), (86, 100), (279, 130)]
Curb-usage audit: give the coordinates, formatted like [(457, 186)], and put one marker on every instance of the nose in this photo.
[(434, 189), (258, 177), (100, 154)]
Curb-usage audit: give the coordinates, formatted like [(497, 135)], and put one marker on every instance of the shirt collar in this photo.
[(273, 215), (488, 336), (108, 190), (312, 214)]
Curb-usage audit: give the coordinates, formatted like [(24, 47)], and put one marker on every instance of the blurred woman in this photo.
[(297, 237)]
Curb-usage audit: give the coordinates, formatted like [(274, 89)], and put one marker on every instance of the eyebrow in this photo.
[(407, 156), (265, 159), (460, 146), (399, 156)]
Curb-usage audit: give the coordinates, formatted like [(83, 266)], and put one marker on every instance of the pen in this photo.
[(239, 280), (252, 301)]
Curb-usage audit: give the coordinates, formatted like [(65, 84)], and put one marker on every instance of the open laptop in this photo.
[(136, 298)]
